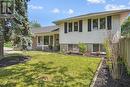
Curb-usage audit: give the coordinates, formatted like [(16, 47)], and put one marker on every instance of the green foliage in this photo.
[(107, 48), (35, 24), (50, 70), (8, 44), (125, 28), (19, 28), (82, 47)]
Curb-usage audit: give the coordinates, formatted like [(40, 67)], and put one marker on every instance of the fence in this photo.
[(125, 50)]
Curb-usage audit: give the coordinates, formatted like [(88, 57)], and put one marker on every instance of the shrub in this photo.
[(82, 47), (108, 49)]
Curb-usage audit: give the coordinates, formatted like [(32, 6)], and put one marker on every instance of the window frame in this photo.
[(80, 25), (97, 24), (48, 40), (98, 47), (77, 26), (39, 40), (104, 23), (89, 24), (65, 27), (69, 26), (109, 23)]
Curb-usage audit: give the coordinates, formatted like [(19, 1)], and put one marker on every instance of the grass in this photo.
[(50, 70)]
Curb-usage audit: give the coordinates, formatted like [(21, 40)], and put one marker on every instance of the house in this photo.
[(92, 29), (46, 38)]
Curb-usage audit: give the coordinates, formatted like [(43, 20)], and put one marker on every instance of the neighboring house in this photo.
[(92, 29), (46, 38)]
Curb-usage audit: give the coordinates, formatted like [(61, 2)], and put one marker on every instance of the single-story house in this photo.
[(45, 38), (92, 29)]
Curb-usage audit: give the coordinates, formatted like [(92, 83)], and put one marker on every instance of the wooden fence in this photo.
[(125, 50)]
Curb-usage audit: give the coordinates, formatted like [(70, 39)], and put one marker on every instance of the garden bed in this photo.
[(104, 78), (13, 60)]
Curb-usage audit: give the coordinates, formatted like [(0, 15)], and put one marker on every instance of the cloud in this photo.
[(115, 7), (70, 11), (56, 10), (96, 1), (35, 7)]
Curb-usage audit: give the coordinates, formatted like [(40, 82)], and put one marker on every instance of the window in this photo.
[(102, 23), (102, 49), (39, 39), (46, 40), (95, 47), (70, 27), (75, 26), (70, 47), (65, 27), (109, 23), (80, 25), (95, 23), (89, 25)]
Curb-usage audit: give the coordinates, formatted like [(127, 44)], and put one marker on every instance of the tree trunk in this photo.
[(1, 47)]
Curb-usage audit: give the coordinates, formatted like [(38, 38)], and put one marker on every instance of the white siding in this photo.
[(95, 36)]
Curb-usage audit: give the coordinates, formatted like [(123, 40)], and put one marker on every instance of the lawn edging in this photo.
[(96, 74)]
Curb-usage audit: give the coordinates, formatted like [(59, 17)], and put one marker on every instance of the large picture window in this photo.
[(102, 23), (95, 23), (75, 26), (46, 40)]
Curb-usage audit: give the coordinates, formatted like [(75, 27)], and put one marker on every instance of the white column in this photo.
[(53, 40)]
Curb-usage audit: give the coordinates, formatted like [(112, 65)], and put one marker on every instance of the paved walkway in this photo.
[(10, 50)]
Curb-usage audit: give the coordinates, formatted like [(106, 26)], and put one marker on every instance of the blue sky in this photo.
[(46, 11)]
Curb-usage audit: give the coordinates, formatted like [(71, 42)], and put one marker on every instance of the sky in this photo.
[(47, 11)]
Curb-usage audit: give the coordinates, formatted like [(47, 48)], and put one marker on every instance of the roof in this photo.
[(45, 29), (93, 14)]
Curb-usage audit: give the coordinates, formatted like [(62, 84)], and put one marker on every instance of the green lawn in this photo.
[(50, 70)]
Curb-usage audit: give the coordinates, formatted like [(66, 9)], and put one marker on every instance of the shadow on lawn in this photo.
[(43, 75), (13, 60)]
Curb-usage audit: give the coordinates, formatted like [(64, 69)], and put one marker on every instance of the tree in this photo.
[(35, 24), (125, 28), (19, 30)]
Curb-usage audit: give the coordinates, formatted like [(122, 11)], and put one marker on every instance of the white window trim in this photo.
[(105, 24), (78, 26), (68, 26), (92, 29), (92, 24)]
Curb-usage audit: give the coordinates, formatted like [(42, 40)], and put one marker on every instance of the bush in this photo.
[(82, 47)]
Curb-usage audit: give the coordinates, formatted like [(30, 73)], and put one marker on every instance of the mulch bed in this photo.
[(104, 78), (13, 60)]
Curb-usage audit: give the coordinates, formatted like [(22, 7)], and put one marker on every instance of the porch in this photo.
[(47, 42)]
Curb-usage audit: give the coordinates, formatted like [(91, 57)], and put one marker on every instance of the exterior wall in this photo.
[(95, 36)]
